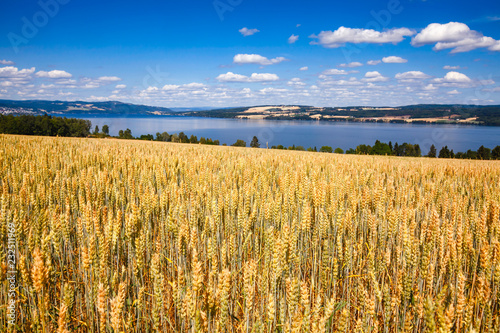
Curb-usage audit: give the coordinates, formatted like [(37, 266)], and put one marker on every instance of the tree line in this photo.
[(405, 149), (44, 125)]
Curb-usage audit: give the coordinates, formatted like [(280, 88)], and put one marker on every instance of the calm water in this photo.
[(309, 133)]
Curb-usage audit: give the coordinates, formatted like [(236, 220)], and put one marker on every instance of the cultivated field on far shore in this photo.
[(132, 236)]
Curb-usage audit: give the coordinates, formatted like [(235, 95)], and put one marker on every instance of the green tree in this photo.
[(255, 143), (444, 152), (162, 136), (326, 149), (495, 153), (183, 138), (380, 148), (96, 129), (363, 149), (338, 150), (471, 154), (174, 138), (239, 143), (484, 153), (432, 151), (105, 129)]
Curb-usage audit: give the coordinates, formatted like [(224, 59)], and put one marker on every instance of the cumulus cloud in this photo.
[(334, 71), (170, 87), (108, 79), (89, 83), (305, 68), (296, 82), (121, 86), (292, 39), (248, 32), (394, 60), (412, 75), (374, 76), (343, 35), (349, 82), (194, 85), (430, 87), (256, 59), (55, 74), (351, 64), (451, 67), (255, 77), (373, 62), (6, 62), (453, 77), (12, 76), (453, 92), (456, 36), (14, 72)]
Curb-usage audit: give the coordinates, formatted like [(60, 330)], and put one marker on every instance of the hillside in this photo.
[(134, 236), (79, 107), (433, 113)]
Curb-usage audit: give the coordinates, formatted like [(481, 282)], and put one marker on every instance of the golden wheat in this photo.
[(128, 236)]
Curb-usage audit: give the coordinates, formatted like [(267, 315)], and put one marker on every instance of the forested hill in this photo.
[(79, 107), (422, 113)]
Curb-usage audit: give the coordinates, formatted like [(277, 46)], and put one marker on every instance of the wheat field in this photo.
[(132, 236)]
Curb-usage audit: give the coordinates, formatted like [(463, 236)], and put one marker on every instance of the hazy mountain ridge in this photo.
[(90, 108)]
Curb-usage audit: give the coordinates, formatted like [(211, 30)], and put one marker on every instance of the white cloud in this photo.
[(343, 35), (454, 77), (411, 75), (248, 32), (451, 67), (430, 87), (88, 83), (351, 64), (334, 71), (121, 86), (170, 87), (55, 74), (373, 62), (194, 85), (256, 59), (453, 92), (292, 39), (374, 76), (255, 77), (456, 36), (394, 60), (350, 82), (14, 72), (108, 79), (297, 82), (305, 68), (6, 62), (67, 82)]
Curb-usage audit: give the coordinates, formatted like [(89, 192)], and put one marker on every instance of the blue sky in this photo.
[(249, 52)]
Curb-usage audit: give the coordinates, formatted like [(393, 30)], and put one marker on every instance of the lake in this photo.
[(308, 133)]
